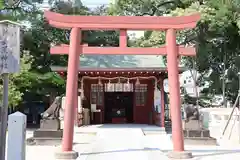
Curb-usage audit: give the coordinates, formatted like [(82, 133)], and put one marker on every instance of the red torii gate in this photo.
[(123, 23)]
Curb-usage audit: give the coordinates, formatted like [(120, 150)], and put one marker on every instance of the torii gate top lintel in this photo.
[(121, 22)]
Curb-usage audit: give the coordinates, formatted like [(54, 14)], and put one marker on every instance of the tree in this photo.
[(34, 73), (15, 95), (216, 40), (144, 7), (38, 38), (216, 36), (13, 11)]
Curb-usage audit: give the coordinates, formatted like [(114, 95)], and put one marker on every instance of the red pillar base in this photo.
[(66, 155), (180, 155)]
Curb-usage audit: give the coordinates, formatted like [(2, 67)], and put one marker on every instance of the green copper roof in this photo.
[(121, 61)]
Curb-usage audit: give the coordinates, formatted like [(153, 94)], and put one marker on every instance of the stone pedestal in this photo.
[(192, 125), (194, 133), (49, 124), (47, 137), (49, 133), (180, 155), (67, 155)]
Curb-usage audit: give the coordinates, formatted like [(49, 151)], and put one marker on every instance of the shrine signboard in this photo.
[(9, 47)]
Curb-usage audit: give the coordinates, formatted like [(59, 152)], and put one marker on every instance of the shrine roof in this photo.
[(119, 63)]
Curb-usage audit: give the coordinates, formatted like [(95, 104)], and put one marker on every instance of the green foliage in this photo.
[(2, 5), (35, 78), (15, 95), (216, 39), (216, 36), (143, 7), (36, 81)]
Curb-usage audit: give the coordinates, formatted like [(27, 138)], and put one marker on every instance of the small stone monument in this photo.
[(50, 131), (193, 129), (50, 118), (16, 136), (192, 120)]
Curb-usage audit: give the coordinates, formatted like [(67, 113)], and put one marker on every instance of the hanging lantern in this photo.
[(127, 87), (109, 87), (157, 98), (100, 85), (82, 89), (100, 82), (155, 85), (118, 86), (137, 82)]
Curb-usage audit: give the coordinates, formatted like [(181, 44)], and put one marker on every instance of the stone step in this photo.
[(48, 133), (154, 132), (44, 141), (200, 141), (196, 133)]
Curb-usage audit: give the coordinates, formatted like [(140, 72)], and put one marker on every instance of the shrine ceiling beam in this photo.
[(120, 22), (64, 49)]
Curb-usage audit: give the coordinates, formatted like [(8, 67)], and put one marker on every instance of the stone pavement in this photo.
[(128, 142), (119, 143)]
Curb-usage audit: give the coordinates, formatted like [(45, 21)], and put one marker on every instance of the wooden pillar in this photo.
[(174, 90), (123, 38), (70, 104), (76, 100), (162, 104)]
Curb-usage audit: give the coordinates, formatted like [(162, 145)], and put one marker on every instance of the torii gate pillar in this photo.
[(174, 91), (71, 91)]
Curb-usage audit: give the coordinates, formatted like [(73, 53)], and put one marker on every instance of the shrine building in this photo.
[(122, 88)]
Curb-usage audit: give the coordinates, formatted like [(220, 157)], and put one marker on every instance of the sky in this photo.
[(95, 3)]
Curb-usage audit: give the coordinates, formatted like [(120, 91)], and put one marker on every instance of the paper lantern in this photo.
[(127, 87), (118, 87), (109, 87)]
